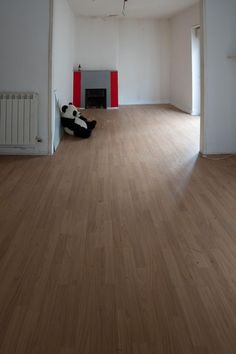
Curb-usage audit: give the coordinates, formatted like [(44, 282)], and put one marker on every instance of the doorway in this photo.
[(196, 71)]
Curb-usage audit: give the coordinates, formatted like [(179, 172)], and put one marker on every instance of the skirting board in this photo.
[(162, 101), (140, 103), (109, 108), (181, 107), (217, 156), (195, 114)]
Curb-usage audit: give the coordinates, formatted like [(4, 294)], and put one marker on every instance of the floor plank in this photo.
[(123, 243)]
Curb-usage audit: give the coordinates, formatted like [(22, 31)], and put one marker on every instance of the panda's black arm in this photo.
[(83, 118), (68, 123)]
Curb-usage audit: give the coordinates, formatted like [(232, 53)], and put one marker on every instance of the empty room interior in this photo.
[(118, 177)]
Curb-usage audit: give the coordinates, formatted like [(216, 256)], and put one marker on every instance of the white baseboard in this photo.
[(195, 114), (182, 107), (223, 152), (110, 108), (164, 101), (156, 102), (135, 103)]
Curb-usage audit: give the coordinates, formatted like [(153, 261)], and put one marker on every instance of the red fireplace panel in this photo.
[(77, 89), (114, 89)]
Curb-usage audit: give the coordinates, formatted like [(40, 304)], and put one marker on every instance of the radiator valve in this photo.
[(38, 139)]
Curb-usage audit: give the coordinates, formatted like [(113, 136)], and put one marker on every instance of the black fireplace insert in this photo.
[(96, 98)]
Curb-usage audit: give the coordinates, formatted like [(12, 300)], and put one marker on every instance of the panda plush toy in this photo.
[(74, 123)]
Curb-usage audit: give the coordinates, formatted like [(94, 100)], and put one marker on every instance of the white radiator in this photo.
[(18, 118)]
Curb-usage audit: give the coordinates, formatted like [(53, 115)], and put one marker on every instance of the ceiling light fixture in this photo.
[(123, 10)]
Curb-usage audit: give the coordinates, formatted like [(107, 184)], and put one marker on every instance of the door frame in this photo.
[(193, 34), (203, 147)]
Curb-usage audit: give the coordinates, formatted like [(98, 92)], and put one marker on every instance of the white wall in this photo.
[(24, 38), (143, 61), (138, 49), (181, 57), (96, 43), (220, 76), (63, 62)]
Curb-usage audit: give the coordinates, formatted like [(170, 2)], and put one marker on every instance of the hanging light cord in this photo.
[(124, 8)]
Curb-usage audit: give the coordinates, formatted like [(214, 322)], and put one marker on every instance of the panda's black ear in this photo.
[(64, 108), (75, 113), (70, 104)]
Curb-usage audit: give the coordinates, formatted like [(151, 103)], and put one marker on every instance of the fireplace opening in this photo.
[(96, 98)]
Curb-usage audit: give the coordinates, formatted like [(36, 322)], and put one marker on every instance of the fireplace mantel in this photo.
[(96, 79)]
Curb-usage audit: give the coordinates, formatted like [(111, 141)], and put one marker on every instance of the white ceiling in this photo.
[(135, 8)]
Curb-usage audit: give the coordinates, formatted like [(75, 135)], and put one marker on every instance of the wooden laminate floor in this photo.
[(123, 243)]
